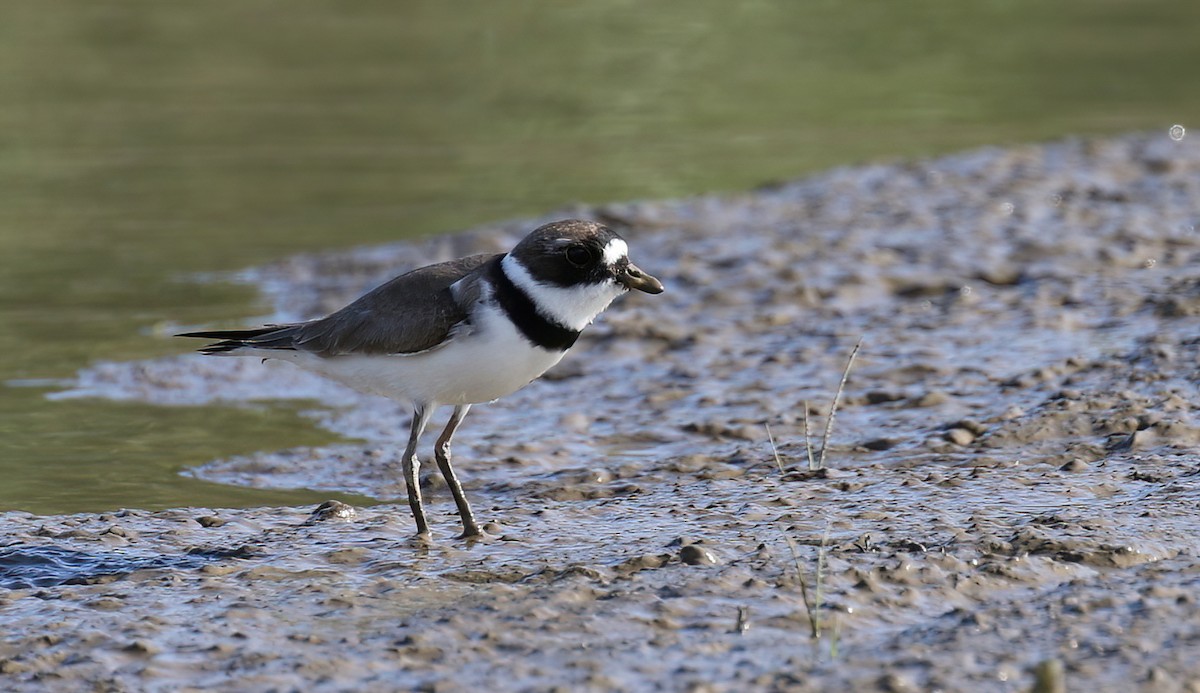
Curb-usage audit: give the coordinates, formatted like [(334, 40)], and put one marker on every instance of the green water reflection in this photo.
[(112, 455), (143, 141)]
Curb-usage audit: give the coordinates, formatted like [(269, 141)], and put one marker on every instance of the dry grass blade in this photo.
[(812, 462), (820, 596), (774, 450), (811, 601), (837, 398)]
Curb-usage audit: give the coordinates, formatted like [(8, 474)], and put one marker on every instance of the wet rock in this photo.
[(643, 562), (331, 510), (971, 425), (898, 683), (879, 444), (1075, 466), (882, 397), (210, 521), (695, 554), (932, 398), (959, 436), (1001, 275), (143, 647)]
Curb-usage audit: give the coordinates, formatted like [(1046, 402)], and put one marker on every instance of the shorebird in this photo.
[(458, 333)]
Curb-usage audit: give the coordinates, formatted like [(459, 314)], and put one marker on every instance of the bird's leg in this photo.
[(411, 465), (441, 452)]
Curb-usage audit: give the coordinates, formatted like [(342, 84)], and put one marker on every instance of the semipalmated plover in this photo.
[(458, 333)]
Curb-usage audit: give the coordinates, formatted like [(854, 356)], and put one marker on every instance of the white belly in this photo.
[(488, 363)]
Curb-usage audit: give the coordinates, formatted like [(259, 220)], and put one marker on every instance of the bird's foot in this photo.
[(473, 533)]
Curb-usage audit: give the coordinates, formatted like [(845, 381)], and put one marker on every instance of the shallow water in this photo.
[(26, 566), (141, 143)]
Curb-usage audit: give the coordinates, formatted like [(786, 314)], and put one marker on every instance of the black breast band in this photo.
[(524, 314)]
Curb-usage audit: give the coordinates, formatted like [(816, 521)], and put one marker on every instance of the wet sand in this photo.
[(1012, 481)]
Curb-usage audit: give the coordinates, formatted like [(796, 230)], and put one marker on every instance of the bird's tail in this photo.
[(268, 337)]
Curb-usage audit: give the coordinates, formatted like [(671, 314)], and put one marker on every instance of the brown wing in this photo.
[(411, 313)]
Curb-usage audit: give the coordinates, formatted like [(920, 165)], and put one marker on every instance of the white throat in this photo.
[(574, 307)]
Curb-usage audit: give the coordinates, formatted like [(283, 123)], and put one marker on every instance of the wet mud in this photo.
[(1011, 483)]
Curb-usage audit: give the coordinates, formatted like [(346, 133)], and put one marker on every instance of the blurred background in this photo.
[(143, 142)]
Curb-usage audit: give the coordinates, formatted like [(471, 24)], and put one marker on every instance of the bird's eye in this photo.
[(579, 255)]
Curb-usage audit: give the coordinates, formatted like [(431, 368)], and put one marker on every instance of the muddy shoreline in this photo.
[(1013, 472)]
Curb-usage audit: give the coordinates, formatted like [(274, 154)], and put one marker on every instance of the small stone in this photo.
[(210, 521), (1001, 275), (879, 444), (331, 510), (883, 397), (931, 399), (971, 425), (898, 683), (643, 562), (694, 554), (1075, 465), (143, 647), (960, 436)]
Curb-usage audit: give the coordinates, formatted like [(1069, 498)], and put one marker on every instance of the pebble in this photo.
[(1076, 465), (332, 510), (695, 554), (960, 436)]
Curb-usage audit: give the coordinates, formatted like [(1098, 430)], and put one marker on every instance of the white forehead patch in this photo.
[(614, 251)]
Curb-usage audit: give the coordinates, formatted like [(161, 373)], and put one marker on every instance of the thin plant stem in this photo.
[(810, 605), (837, 398), (820, 595), (812, 462), (774, 450)]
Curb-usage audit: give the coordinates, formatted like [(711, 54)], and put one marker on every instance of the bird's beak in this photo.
[(634, 278)]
